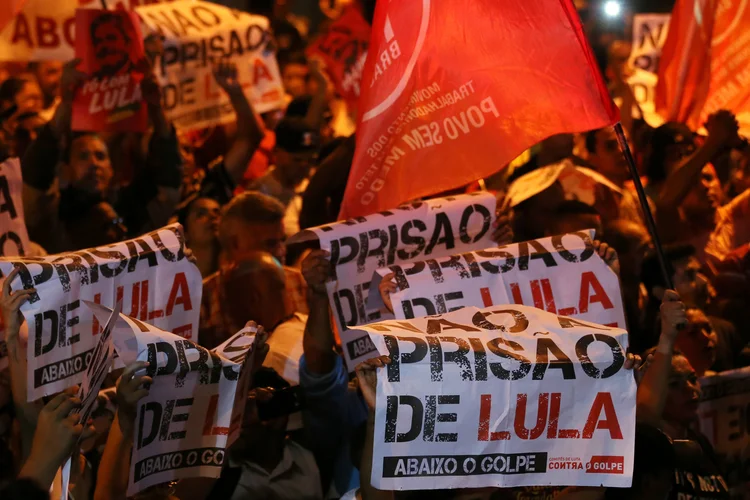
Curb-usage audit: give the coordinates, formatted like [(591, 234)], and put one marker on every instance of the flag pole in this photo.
[(647, 216)]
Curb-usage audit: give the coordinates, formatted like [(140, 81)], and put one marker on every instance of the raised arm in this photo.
[(722, 133), (318, 342), (652, 391), (112, 478), (27, 413), (249, 131)]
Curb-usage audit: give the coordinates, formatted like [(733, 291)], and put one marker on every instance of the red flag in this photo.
[(454, 90), (705, 64), (344, 50), (110, 46)]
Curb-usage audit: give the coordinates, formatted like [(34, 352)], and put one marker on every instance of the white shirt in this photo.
[(295, 478)]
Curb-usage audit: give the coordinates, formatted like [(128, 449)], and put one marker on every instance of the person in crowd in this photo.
[(571, 216), (294, 73), (254, 289), (48, 75), (668, 398), (199, 217), (250, 223), (53, 206), (23, 92), (297, 147)]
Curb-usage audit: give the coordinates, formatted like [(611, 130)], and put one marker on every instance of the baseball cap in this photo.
[(294, 135)]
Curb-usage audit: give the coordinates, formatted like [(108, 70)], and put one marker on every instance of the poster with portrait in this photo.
[(110, 46)]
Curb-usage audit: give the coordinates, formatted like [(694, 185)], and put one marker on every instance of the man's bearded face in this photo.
[(111, 48)]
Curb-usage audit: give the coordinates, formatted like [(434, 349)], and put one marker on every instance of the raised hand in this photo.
[(386, 288), (71, 80), (11, 303), (131, 388), (225, 73), (673, 315), (608, 255), (502, 232), (367, 376), (316, 269), (723, 129)]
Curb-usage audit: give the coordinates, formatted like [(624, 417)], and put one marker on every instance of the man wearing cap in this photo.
[(296, 150)]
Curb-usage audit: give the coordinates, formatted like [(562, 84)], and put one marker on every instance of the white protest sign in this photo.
[(195, 405), (428, 229), (14, 240), (561, 274), (45, 29), (198, 33), (150, 275), (101, 362), (724, 413), (649, 36), (504, 396)]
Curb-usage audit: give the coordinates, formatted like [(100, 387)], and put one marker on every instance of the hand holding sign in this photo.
[(502, 228), (71, 80), (225, 74), (316, 269), (11, 310), (131, 388), (608, 255), (386, 287), (367, 376)]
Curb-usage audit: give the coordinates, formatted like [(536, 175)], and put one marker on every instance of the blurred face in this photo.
[(690, 283), (111, 47), (573, 223), (248, 238), (705, 196), (48, 74), (202, 222), (675, 154), (607, 157), (295, 79), (531, 218), (29, 99), (698, 341), (294, 167), (683, 393), (90, 169), (740, 174)]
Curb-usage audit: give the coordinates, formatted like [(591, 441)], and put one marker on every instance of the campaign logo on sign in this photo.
[(605, 465), (397, 55), (565, 463)]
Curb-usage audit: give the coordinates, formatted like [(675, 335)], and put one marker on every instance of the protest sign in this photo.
[(110, 46), (432, 228), (343, 50), (561, 274), (194, 408), (45, 29), (97, 370), (445, 80), (149, 274), (725, 420), (649, 35), (14, 240), (199, 33), (504, 396)]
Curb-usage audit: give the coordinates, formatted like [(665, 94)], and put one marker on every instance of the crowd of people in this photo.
[(241, 190)]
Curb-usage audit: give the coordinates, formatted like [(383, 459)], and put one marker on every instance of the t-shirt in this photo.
[(732, 230), (697, 475)]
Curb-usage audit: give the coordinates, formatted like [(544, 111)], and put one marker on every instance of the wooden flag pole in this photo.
[(647, 215)]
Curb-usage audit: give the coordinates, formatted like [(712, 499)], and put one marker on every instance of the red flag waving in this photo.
[(705, 64), (454, 90)]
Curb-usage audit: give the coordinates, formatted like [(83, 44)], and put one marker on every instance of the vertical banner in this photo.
[(427, 229), (150, 275), (343, 49), (195, 405), (724, 419), (504, 396), (110, 46), (199, 33), (445, 80), (649, 35)]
